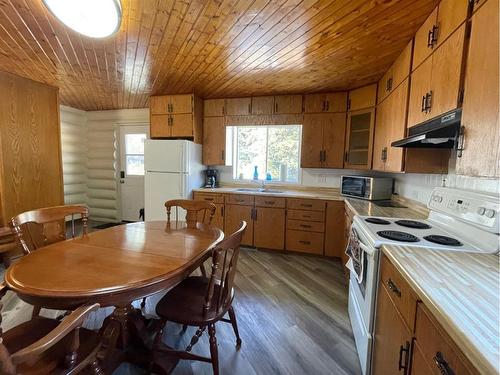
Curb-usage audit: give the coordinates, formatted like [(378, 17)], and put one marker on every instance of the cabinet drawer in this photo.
[(209, 197), (307, 242), (269, 202), (400, 292), (437, 349), (306, 215), (240, 199), (308, 226), (306, 204)]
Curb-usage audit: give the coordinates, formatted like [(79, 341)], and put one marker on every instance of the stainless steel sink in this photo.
[(260, 190)]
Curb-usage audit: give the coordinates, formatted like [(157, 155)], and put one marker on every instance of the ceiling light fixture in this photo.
[(93, 18)]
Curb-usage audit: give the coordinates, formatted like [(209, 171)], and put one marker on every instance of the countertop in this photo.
[(462, 290), (412, 210)]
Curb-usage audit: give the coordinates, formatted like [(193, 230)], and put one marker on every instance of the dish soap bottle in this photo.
[(256, 173)]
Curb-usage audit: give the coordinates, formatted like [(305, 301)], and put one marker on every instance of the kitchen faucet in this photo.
[(262, 184)]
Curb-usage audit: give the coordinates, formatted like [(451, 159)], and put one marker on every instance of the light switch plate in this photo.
[(321, 179)]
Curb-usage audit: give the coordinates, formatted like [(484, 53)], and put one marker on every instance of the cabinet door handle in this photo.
[(222, 211), (327, 105), (306, 216), (428, 102), (269, 202), (306, 205), (255, 214), (348, 104), (424, 99), (223, 110), (346, 157), (250, 109), (275, 107), (324, 155), (323, 106), (393, 287), (320, 155), (222, 156), (429, 39), (304, 226), (388, 86), (406, 350), (442, 364), (209, 199), (305, 242)]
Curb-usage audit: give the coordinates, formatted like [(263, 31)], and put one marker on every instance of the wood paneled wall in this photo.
[(30, 146)]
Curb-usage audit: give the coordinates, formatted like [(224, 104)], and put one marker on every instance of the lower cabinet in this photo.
[(234, 215), (408, 338), (392, 338), (269, 228), (334, 236)]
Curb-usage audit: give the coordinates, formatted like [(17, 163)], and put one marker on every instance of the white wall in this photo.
[(103, 159), (74, 154)]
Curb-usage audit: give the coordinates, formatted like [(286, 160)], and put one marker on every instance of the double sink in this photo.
[(260, 190)]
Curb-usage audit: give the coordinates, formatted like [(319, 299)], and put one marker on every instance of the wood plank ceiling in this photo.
[(218, 48)]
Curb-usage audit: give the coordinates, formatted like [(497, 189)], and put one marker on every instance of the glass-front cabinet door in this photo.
[(359, 140)]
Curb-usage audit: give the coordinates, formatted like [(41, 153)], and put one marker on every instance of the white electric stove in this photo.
[(458, 221)]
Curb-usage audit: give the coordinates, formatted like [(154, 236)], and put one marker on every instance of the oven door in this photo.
[(362, 302), (354, 186)]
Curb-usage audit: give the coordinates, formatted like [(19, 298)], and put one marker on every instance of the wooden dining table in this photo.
[(114, 267)]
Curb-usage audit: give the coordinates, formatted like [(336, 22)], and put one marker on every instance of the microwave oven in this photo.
[(370, 188)]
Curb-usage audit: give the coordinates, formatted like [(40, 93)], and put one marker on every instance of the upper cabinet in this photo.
[(176, 116), (441, 23), (214, 141), (436, 83), (323, 140), (287, 104), (327, 102), (480, 156), (213, 107), (262, 105), (238, 106), (362, 98), (396, 74)]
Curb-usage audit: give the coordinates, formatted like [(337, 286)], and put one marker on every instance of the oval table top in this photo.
[(112, 266)]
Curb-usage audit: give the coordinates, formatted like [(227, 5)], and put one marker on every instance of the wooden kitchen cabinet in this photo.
[(362, 98), (235, 213), (213, 107), (262, 105), (218, 201), (481, 156), (348, 217), (390, 126), (176, 116), (287, 104), (323, 138), (325, 102), (392, 349), (269, 228), (396, 74), (334, 235), (305, 225), (436, 348), (359, 139), (436, 84), (214, 141), (238, 106)]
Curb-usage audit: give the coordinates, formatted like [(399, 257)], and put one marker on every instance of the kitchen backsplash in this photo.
[(417, 187)]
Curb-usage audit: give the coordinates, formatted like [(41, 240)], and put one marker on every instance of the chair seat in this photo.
[(183, 304), (52, 360)]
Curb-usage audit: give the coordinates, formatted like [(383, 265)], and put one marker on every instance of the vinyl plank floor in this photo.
[(292, 316)]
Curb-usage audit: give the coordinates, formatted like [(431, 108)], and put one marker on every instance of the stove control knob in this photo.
[(490, 213), (481, 210), (437, 198)]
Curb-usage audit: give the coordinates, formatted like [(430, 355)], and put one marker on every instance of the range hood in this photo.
[(439, 132)]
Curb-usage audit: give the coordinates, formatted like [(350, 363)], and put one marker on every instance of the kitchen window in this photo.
[(273, 150)]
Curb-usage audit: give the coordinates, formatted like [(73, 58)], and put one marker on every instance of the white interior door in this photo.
[(132, 138)]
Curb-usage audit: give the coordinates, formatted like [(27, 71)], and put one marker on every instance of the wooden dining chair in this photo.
[(196, 211), (49, 346), (44, 226), (38, 228), (201, 302)]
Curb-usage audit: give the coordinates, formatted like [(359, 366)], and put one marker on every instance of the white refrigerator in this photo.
[(173, 168)]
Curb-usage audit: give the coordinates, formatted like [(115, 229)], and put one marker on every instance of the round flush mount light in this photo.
[(93, 18)]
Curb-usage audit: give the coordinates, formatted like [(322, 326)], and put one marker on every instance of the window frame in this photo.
[(232, 131)]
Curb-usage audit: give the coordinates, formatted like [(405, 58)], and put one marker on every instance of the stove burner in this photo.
[(413, 224), (398, 236), (376, 220), (443, 240)]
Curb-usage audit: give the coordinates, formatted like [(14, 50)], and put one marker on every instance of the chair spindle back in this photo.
[(224, 262), (193, 211), (44, 226)]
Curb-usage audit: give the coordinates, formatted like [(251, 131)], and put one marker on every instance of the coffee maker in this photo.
[(211, 178)]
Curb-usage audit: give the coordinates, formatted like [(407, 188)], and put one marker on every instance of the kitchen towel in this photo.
[(356, 256)]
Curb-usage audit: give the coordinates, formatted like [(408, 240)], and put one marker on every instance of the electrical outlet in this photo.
[(321, 179)]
